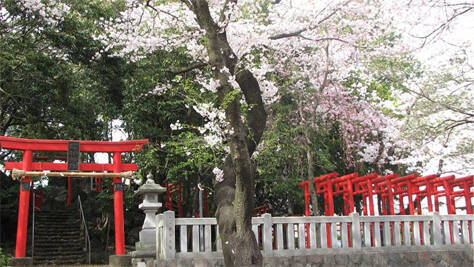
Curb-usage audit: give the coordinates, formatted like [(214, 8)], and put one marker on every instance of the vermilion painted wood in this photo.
[(23, 206), (343, 185), (61, 145), (172, 188), (428, 191), (307, 197), (118, 208), (322, 184), (387, 187), (363, 185), (50, 166)]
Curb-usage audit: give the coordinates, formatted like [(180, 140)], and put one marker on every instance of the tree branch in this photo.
[(4, 156), (286, 35), (326, 71), (298, 32), (222, 16), (445, 24), (256, 116), (189, 4), (329, 39), (189, 68), (159, 10)]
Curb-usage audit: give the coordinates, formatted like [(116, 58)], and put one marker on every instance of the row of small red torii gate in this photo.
[(387, 188)]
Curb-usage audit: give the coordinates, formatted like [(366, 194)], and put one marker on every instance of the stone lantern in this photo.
[(146, 247)]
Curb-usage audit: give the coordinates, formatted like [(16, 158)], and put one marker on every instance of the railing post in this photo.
[(87, 240), (356, 237), (267, 234), (437, 239), (168, 245)]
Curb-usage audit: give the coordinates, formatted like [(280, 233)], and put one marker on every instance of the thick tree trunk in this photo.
[(235, 195)]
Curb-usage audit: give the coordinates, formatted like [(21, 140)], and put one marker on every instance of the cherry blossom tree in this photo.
[(242, 53), (437, 106), (248, 48)]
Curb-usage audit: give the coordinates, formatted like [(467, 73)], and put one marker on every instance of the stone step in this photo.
[(63, 244), (46, 219), (57, 212), (47, 224), (56, 216), (60, 235), (60, 246), (55, 251), (58, 238), (47, 261), (57, 235), (52, 252), (54, 256), (67, 263), (59, 225), (58, 264), (63, 228), (76, 225), (65, 241), (58, 222), (59, 257), (56, 219)]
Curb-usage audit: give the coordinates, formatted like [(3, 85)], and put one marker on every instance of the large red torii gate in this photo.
[(73, 149)]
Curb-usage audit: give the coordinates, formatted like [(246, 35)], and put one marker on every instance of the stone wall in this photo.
[(457, 256)]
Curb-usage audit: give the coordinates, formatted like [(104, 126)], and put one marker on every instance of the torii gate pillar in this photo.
[(118, 207), (23, 207)]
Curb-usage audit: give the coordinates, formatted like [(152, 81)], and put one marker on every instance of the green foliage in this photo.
[(151, 105), (4, 259), (52, 84), (230, 97), (56, 83), (387, 75), (281, 159)]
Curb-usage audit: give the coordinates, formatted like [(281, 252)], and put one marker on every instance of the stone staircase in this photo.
[(58, 238)]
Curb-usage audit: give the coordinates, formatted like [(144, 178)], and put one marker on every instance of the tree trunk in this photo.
[(310, 161), (312, 191), (235, 195)]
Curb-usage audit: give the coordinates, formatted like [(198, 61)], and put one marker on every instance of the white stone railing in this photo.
[(291, 236)]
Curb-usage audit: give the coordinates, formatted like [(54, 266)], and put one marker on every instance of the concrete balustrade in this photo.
[(296, 236)]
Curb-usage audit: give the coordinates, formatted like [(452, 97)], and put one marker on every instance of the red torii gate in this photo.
[(73, 149), (386, 188)]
